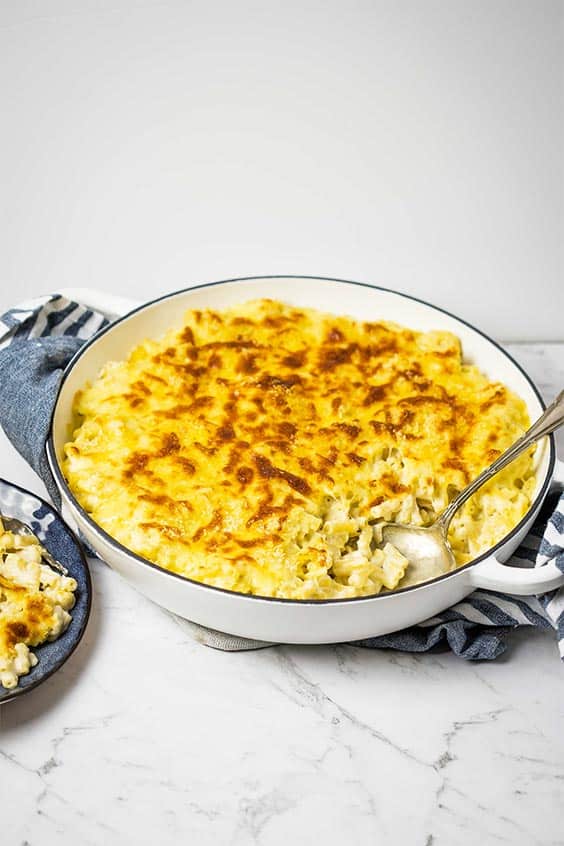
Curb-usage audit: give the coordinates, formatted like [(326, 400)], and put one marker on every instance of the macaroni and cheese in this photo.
[(34, 604), (260, 448)]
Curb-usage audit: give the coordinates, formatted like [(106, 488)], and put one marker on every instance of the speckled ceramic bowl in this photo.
[(56, 536)]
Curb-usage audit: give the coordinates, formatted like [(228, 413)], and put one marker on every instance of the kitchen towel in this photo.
[(38, 339)]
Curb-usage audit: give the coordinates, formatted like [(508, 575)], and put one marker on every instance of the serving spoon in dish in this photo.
[(427, 549)]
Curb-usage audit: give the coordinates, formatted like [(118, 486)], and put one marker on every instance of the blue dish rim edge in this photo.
[(20, 691)]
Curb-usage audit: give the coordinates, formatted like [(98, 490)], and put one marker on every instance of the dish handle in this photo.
[(108, 304), (493, 575)]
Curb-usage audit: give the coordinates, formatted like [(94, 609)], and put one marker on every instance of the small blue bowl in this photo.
[(56, 536)]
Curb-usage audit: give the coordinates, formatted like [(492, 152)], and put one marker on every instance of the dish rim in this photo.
[(120, 548), (13, 693)]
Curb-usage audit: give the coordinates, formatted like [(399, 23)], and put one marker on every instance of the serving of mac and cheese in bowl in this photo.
[(43, 612), (235, 449)]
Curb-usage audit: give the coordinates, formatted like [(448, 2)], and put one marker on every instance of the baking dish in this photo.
[(284, 620)]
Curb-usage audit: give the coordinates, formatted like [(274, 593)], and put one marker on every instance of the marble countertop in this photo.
[(145, 736)]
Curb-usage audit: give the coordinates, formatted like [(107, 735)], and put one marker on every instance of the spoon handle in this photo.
[(552, 418)]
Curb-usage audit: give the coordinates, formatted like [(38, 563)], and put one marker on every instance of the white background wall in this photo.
[(416, 144)]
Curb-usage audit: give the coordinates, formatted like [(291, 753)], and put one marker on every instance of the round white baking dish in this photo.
[(300, 621)]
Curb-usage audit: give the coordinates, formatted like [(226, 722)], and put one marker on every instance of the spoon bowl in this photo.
[(426, 548)]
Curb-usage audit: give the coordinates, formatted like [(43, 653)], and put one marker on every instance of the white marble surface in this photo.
[(147, 737)]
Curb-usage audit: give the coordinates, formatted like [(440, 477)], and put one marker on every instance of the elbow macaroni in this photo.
[(34, 605), (260, 449)]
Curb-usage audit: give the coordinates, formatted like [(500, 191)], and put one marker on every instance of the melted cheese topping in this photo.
[(34, 605), (260, 449)]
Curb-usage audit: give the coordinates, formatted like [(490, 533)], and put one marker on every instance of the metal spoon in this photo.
[(427, 549), (16, 527)]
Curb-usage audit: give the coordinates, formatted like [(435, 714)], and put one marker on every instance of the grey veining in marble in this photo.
[(147, 737)]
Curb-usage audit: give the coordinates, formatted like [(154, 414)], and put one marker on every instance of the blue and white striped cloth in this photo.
[(37, 340)]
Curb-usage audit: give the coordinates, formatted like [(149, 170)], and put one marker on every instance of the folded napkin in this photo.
[(38, 339)]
